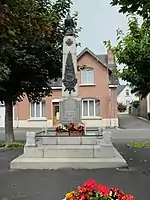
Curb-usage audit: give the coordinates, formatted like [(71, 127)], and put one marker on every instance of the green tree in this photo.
[(140, 7), (31, 35), (133, 51)]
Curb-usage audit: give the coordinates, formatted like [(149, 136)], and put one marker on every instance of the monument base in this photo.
[(86, 152), (61, 163)]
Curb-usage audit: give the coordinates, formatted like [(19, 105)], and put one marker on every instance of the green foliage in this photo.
[(31, 38), (12, 145), (135, 104), (122, 107), (133, 51), (31, 35), (140, 7)]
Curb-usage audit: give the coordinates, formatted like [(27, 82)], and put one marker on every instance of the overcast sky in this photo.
[(99, 22)]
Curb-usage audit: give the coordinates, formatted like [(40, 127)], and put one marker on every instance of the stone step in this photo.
[(61, 163), (70, 151)]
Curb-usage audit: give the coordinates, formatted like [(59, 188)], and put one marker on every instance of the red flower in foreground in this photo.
[(90, 190), (102, 189), (128, 197), (90, 185)]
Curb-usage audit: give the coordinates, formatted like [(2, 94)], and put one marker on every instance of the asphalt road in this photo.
[(132, 122), (53, 184), (20, 133)]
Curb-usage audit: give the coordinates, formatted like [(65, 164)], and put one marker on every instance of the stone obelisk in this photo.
[(70, 104)]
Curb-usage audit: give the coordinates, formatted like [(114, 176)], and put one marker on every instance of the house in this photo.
[(97, 87), (125, 96)]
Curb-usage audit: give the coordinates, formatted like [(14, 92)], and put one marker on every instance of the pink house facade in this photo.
[(97, 87)]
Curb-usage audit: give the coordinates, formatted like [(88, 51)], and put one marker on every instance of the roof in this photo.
[(101, 59), (120, 88)]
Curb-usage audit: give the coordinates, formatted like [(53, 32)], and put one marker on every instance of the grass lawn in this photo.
[(145, 144)]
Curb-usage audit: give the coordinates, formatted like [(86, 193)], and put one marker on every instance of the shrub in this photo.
[(12, 145), (135, 104), (122, 107)]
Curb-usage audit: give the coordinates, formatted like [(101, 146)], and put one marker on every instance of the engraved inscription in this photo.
[(70, 111)]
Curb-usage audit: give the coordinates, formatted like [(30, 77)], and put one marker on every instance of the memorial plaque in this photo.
[(70, 111)]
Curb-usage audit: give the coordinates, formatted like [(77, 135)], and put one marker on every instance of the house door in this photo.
[(55, 114)]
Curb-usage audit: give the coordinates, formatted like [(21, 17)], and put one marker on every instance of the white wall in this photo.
[(123, 98)]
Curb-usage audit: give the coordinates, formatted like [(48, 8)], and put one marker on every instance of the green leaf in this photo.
[(11, 32)]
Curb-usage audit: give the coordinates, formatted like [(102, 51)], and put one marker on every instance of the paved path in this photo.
[(53, 184), (131, 122)]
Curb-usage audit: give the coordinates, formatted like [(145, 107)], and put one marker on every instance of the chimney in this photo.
[(110, 57)]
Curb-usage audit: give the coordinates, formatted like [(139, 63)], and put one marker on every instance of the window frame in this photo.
[(87, 82), (88, 100), (35, 110), (127, 93)]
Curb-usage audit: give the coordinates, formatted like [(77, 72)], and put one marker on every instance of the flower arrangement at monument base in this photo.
[(92, 191), (72, 129)]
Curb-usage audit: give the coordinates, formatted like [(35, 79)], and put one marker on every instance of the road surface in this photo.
[(132, 122)]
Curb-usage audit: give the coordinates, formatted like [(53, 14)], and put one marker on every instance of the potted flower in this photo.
[(92, 191), (76, 129), (62, 130), (72, 129)]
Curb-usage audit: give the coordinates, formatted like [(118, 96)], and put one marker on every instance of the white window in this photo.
[(87, 76), (127, 92), (90, 107), (37, 110)]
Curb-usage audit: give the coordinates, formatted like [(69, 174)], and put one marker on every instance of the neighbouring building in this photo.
[(144, 108), (125, 96), (97, 87)]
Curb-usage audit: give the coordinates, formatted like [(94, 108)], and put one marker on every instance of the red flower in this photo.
[(81, 190), (102, 189), (82, 198), (90, 185), (128, 197), (72, 198)]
